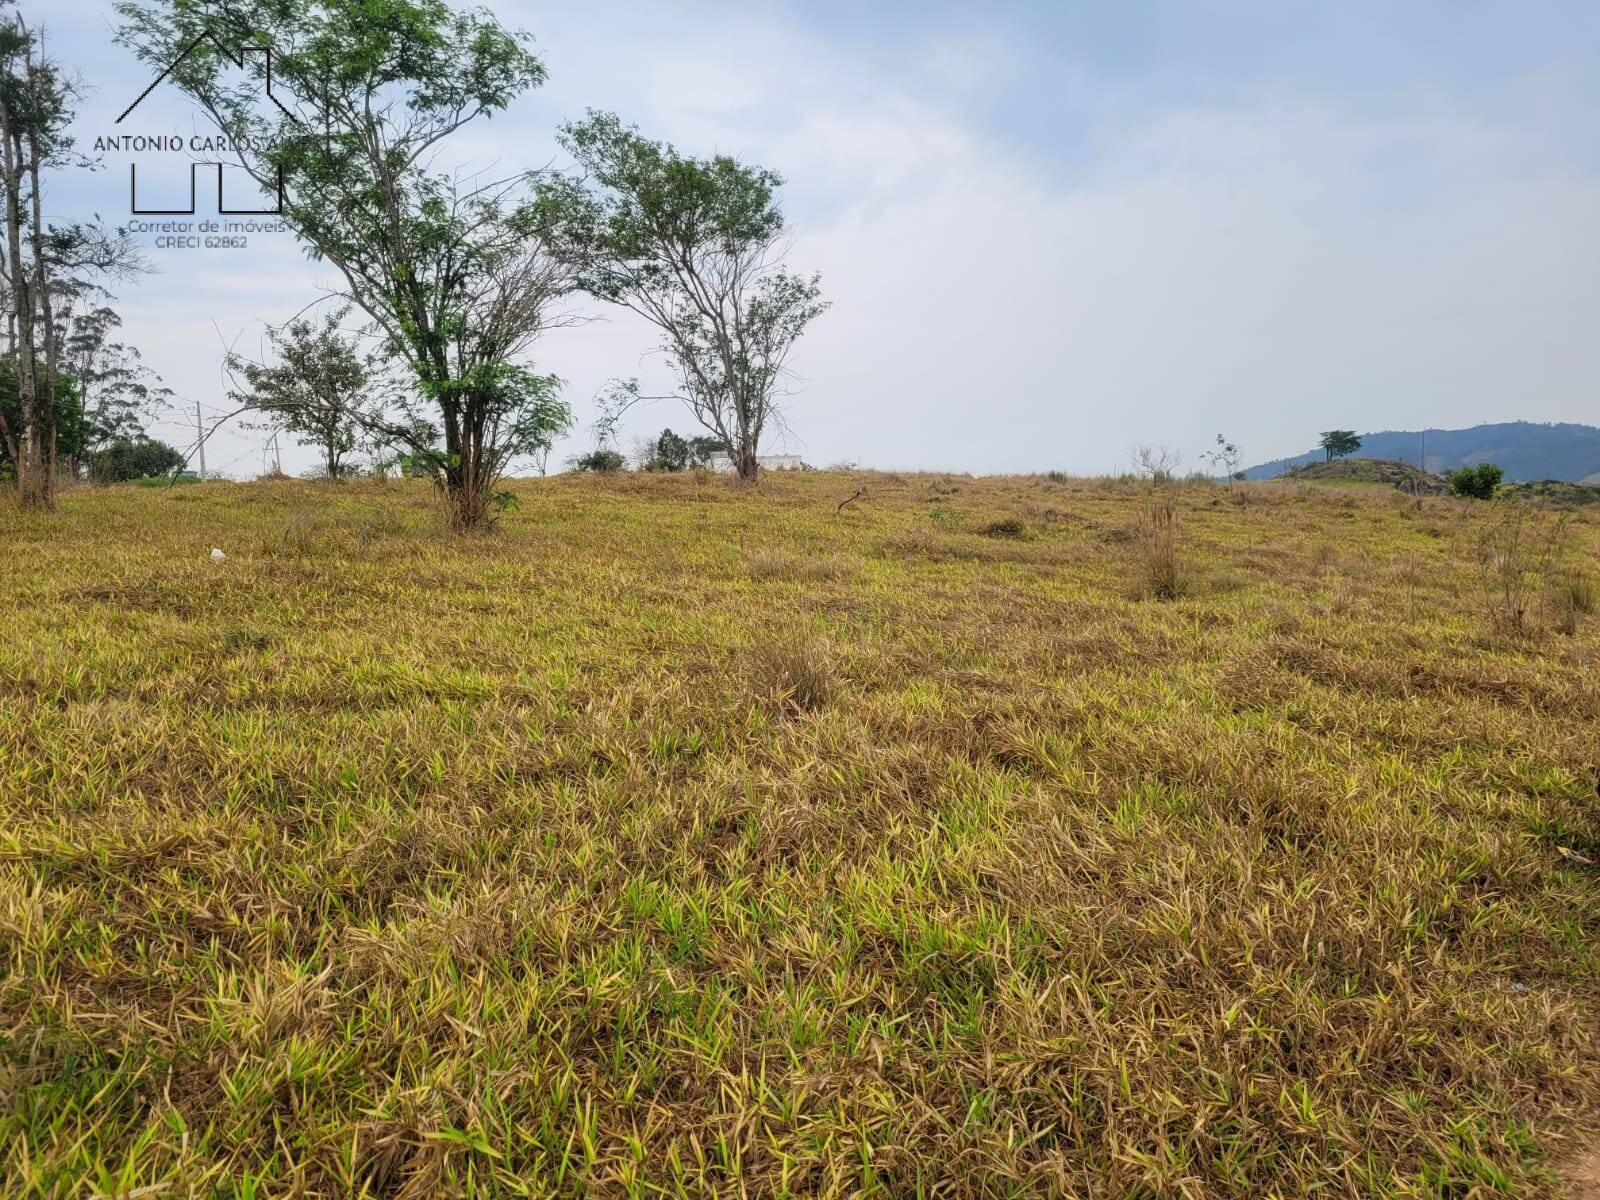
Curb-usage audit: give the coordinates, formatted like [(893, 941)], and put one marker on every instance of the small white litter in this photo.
[(217, 554)]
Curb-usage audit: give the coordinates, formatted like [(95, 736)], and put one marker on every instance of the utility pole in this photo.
[(200, 433)]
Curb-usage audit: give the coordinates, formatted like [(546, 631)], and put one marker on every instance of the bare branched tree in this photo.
[(1157, 463)]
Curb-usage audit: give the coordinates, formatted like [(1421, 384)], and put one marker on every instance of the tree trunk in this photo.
[(33, 481), (469, 474), (29, 456), (33, 484), (746, 463), (466, 495), (45, 386)]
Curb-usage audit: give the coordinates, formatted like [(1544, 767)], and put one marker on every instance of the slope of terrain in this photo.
[(1378, 471), (1557, 493), (1525, 450), (675, 839)]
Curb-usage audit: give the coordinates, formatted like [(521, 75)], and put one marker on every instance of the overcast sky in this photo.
[(1049, 231)]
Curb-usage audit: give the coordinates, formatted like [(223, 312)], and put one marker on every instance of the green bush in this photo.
[(673, 453), (123, 459), (1476, 483), (599, 460)]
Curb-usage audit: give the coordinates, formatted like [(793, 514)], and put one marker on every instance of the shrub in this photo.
[(1476, 483), (124, 459), (1158, 464), (604, 461)]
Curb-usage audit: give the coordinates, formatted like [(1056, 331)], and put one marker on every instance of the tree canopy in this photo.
[(317, 387), (1337, 443), (126, 458), (696, 247)]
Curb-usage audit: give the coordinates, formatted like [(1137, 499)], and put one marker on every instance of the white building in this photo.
[(767, 462)]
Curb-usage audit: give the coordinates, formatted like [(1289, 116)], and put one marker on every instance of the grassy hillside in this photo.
[(1381, 472), (1378, 472), (1525, 450), (679, 840)]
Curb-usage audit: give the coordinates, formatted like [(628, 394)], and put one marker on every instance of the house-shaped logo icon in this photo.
[(237, 58)]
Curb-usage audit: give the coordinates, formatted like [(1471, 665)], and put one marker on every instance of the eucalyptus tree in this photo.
[(696, 247), (37, 258), (446, 262), (121, 395)]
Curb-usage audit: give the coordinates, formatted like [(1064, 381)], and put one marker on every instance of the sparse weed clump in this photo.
[(1162, 575), (800, 568), (1571, 596), (793, 671), (1520, 553), (1580, 591)]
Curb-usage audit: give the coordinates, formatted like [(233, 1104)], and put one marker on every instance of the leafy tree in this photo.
[(1476, 483), (318, 390), (449, 266), (1337, 443), (701, 450), (670, 453), (125, 458), (696, 247)]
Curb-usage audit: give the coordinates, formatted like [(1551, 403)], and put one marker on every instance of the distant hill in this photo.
[(1523, 449)]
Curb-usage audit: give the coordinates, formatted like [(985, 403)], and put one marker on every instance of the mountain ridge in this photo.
[(1525, 450)]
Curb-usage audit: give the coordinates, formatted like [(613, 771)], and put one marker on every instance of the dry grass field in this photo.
[(1005, 837)]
